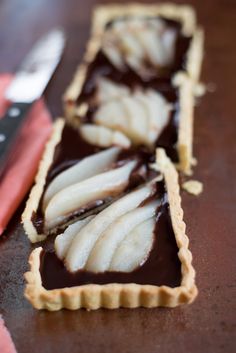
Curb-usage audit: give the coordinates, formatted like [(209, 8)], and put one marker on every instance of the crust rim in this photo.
[(130, 295), (40, 180)]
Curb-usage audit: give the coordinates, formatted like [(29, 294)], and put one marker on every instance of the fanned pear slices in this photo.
[(138, 41), (107, 90), (81, 194), (105, 248), (86, 168), (103, 136), (85, 240), (141, 116), (135, 248)]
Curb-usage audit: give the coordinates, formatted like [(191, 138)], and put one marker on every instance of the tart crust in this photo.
[(185, 129), (182, 13), (40, 180), (114, 295)]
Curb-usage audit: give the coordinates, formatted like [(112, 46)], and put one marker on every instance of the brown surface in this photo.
[(209, 324)]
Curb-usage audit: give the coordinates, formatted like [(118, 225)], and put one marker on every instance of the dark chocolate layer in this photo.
[(162, 266)]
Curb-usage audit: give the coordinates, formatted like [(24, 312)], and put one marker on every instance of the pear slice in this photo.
[(131, 42), (130, 46), (100, 257), (112, 115), (125, 115), (162, 109), (137, 118), (86, 168), (157, 110), (134, 63), (108, 90), (155, 24), (85, 240), (152, 46), (81, 194), (135, 248), (63, 240), (141, 116), (168, 41), (149, 106), (113, 54), (103, 136)]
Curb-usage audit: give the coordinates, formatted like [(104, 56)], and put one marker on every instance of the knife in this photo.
[(28, 85)]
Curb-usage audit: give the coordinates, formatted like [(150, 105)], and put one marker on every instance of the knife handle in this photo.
[(9, 127)]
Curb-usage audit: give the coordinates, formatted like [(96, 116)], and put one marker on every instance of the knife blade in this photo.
[(28, 85)]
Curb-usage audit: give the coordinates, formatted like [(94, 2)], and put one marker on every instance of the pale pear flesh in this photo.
[(136, 41), (100, 257), (85, 240), (63, 240), (112, 115), (107, 90), (78, 195), (123, 246), (103, 136), (136, 116), (86, 168), (141, 116), (114, 55), (135, 248)]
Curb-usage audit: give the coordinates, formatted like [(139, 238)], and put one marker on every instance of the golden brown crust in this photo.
[(115, 295), (182, 13), (176, 212), (37, 190), (195, 55), (185, 131)]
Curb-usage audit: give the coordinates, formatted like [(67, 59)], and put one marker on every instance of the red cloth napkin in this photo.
[(6, 344), (25, 156)]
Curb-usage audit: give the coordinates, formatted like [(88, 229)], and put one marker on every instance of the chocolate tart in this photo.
[(176, 83), (116, 289)]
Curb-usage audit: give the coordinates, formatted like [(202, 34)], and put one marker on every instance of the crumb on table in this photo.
[(193, 187)]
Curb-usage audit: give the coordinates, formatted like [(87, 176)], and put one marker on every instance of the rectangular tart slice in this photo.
[(138, 76), (82, 171), (132, 253)]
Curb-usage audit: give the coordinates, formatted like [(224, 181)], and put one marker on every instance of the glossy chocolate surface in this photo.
[(162, 266)]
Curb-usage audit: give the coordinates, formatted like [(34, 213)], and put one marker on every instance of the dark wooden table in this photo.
[(209, 324)]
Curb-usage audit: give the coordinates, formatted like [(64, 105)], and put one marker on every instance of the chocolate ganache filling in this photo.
[(162, 267), (73, 148)]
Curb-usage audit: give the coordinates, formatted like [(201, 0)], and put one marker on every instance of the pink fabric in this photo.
[(25, 156), (6, 344)]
